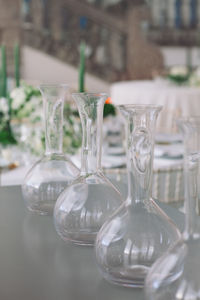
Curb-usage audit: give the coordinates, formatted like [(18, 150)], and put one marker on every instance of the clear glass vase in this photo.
[(84, 206), (176, 275), (54, 171), (139, 232)]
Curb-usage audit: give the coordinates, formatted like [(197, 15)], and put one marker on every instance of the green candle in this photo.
[(1, 84), (17, 67), (82, 67), (4, 71)]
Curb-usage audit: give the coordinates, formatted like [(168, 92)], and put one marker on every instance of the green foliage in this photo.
[(72, 137), (23, 105), (1, 83), (178, 79), (4, 71), (109, 109), (6, 135), (82, 68)]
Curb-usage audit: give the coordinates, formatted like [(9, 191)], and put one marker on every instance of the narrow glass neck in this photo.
[(90, 108), (53, 103), (191, 175), (139, 159), (53, 110), (191, 135)]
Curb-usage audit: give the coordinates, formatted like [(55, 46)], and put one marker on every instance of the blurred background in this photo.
[(125, 39), (137, 51)]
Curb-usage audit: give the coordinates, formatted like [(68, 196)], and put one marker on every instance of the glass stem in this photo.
[(191, 166), (91, 139), (139, 161), (53, 109)]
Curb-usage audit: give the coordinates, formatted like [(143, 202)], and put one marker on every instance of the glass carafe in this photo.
[(139, 232), (176, 275), (54, 171), (83, 207)]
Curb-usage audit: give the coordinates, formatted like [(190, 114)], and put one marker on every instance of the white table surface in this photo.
[(167, 183), (16, 176), (176, 100), (35, 264)]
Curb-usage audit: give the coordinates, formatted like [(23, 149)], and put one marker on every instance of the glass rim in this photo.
[(90, 93), (141, 106), (53, 85)]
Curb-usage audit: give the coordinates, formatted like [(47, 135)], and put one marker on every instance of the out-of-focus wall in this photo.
[(180, 56), (144, 58), (10, 21), (38, 67)]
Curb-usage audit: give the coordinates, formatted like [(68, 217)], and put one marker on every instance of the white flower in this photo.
[(18, 96), (178, 70), (28, 108), (37, 111), (36, 100), (4, 108)]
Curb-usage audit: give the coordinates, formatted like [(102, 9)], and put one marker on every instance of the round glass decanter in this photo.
[(176, 275), (54, 171), (139, 232), (83, 207)]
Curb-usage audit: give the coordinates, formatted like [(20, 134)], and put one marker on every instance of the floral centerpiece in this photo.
[(26, 118), (179, 75), (6, 136), (26, 102), (27, 121), (21, 112)]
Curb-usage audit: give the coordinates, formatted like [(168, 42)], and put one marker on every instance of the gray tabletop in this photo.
[(35, 264)]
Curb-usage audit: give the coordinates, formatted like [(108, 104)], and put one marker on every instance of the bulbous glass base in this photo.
[(176, 274), (131, 240), (83, 207), (45, 181)]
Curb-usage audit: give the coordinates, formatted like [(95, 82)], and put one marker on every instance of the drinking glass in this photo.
[(176, 275), (139, 232), (85, 205), (54, 171)]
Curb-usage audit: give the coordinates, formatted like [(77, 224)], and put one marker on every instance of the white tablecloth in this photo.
[(177, 101), (16, 176), (167, 179)]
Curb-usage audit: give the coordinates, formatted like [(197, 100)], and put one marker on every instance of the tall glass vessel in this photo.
[(84, 206), (54, 171), (176, 275), (139, 232)]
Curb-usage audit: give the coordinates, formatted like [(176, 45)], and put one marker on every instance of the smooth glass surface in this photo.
[(139, 232), (176, 274), (54, 171), (85, 205)]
